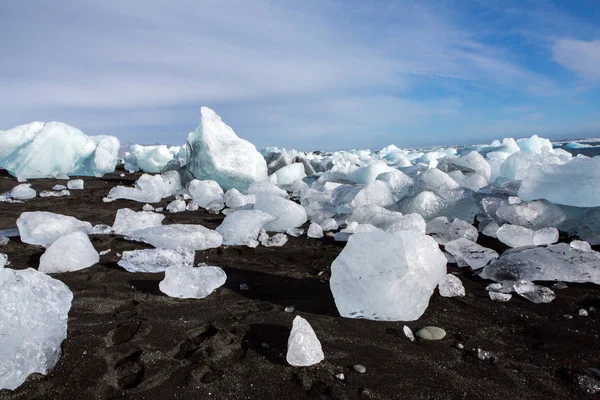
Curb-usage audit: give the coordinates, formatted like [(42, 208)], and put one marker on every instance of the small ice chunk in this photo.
[(514, 200), (329, 224), (386, 276), (295, 232), (491, 229), (3, 240), (515, 236), (192, 282), (187, 236), (59, 187), (128, 220), (156, 260), (289, 174), (23, 191), (176, 206), (469, 253), (101, 229), (534, 293), (69, 253), (75, 184), (315, 231), (443, 231), (234, 199), (191, 206), (583, 313), (304, 348), (147, 207), (243, 226), (104, 252), (545, 236), (287, 213), (50, 193), (215, 206), (43, 228), (276, 240), (408, 333), (266, 187), (3, 260), (33, 324), (497, 296), (451, 286), (205, 192), (581, 245)]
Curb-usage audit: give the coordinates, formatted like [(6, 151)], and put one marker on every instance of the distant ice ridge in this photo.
[(153, 159), (33, 324), (55, 149)]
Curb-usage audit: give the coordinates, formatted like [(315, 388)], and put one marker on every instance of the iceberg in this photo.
[(215, 152), (55, 149)]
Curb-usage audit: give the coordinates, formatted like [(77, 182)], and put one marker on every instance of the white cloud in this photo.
[(579, 56)]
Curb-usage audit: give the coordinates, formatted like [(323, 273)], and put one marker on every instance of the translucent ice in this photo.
[(368, 174), (204, 192), (149, 188), (315, 231), (75, 184), (375, 193), (43, 228), (152, 159), (33, 324), (54, 149), (545, 236), (128, 220), (243, 226), (443, 231), (276, 240), (217, 153), (234, 199), (469, 253), (304, 348), (69, 253), (532, 215), (195, 237), (515, 236), (386, 276), (192, 282), (265, 187), (534, 293), (290, 174), (399, 183), (156, 260), (176, 206), (451, 286), (581, 245), (53, 193), (23, 191), (287, 213)]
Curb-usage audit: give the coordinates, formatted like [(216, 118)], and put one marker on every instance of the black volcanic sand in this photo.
[(127, 339)]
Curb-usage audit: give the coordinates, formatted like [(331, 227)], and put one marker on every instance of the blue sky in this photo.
[(313, 74)]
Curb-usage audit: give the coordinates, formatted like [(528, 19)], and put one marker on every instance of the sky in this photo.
[(309, 75)]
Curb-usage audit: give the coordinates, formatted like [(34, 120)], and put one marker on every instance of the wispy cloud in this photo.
[(579, 56)]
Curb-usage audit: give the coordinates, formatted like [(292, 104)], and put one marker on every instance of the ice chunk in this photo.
[(329, 224), (265, 187), (386, 276), (315, 231), (399, 183), (368, 174), (3, 240), (534, 293), (148, 207), (426, 203), (290, 174), (3, 260), (75, 184), (176, 206), (101, 229), (515, 236), (532, 215), (54, 149), (545, 236), (195, 237), (287, 214), (581, 245), (149, 188), (408, 333), (43, 228), (156, 260), (557, 262), (376, 193), (153, 159), (497, 296), (276, 240), (33, 324), (436, 181), (192, 282), (69, 253), (474, 162), (51, 193), (443, 231), (59, 187), (491, 229), (576, 183), (304, 348), (128, 220), (205, 192), (451, 286), (242, 227), (469, 253), (23, 191), (234, 199), (217, 153)]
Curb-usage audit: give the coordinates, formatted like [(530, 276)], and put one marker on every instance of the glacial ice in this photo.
[(468, 253), (266, 187), (534, 293), (386, 276), (303, 348), (192, 282), (515, 236), (54, 193), (69, 253), (54, 149), (243, 227), (75, 184), (156, 260), (287, 213), (205, 192), (23, 191), (43, 228), (128, 220), (451, 286), (153, 159), (289, 174), (217, 153), (234, 199), (443, 231), (195, 237), (176, 206), (315, 231), (149, 188), (33, 324), (276, 240)]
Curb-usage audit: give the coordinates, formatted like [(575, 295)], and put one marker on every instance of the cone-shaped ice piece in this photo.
[(304, 348)]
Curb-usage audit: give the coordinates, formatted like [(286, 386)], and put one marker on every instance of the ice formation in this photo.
[(43, 228), (156, 260), (205, 192), (54, 149), (75, 184), (315, 231), (217, 153), (192, 282), (303, 348), (243, 227), (23, 191), (128, 220), (69, 253), (33, 324), (386, 276), (287, 214), (451, 286), (290, 174), (176, 206), (149, 188), (195, 237), (468, 253), (153, 159), (53, 193)]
